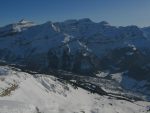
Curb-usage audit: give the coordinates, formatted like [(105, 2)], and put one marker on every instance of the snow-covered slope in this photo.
[(47, 94), (15, 28)]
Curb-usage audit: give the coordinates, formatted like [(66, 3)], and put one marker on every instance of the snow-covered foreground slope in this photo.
[(23, 93)]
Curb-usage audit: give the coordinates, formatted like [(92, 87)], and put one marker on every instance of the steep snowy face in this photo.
[(15, 28), (21, 92), (23, 25)]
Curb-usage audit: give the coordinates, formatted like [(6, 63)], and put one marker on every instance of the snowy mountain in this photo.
[(21, 92), (85, 48), (15, 28)]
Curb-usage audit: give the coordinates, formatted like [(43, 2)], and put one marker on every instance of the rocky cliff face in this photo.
[(81, 46)]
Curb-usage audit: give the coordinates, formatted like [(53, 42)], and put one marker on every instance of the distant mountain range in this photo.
[(82, 47)]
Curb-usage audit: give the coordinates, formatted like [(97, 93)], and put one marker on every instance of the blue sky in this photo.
[(116, 12)]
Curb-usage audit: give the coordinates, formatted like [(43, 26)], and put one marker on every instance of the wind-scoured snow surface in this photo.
[(21, 92)]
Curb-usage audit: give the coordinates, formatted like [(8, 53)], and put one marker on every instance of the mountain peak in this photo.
[(23, 21), (86, 20), (16, 27), (105, 23), (70, 21)]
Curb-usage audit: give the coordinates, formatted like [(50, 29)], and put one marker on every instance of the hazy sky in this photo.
[(116, 12)]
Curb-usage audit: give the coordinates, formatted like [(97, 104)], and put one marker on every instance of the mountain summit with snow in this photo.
[(14, 28)]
